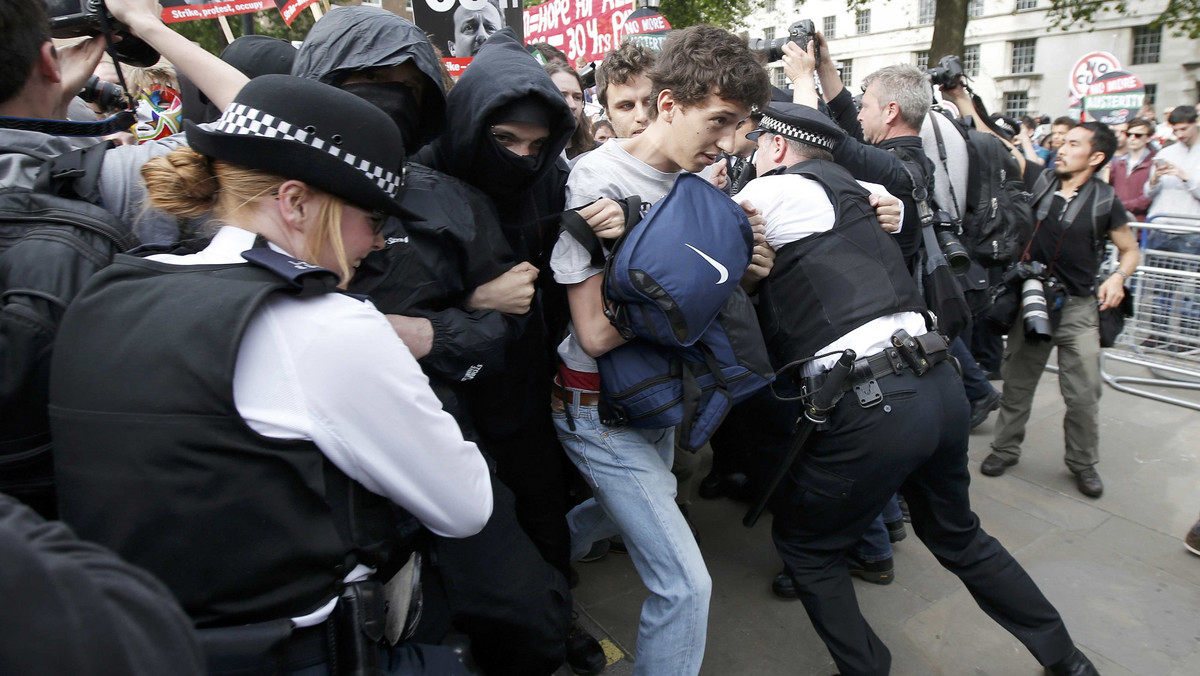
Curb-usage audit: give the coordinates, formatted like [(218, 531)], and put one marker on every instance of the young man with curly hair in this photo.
[(705, 82)]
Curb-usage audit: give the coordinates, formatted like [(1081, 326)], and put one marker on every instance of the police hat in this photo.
[(308, 131), (799, 123)]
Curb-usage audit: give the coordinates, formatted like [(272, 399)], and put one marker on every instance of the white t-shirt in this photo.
[(608, 171), (794, 207)]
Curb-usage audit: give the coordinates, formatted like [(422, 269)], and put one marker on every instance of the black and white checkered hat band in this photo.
[(243, 120), (803, 135)]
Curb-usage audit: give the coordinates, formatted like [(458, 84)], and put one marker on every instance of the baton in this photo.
[(816, 413)]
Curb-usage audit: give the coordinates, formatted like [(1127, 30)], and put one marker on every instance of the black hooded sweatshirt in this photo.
[(528, 197), (429, 266)]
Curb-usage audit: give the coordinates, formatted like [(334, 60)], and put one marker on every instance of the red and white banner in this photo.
[(174, 11), (292, 8), (587, 28)]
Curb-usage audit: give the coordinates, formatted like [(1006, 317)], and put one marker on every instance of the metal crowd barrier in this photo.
[(1163, 335)]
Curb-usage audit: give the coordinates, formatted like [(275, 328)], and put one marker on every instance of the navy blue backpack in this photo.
[(671, 287)]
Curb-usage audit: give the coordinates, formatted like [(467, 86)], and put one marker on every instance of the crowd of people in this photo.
[(309, 371)]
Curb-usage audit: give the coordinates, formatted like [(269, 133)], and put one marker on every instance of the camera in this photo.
[(106, 95), (587, 75), (1035, 310), (81, 18), (948, 72), (801, 33), (946, 231)]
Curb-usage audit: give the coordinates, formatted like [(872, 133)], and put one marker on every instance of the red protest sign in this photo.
[(587, 28), (174, 11), (290, 9)]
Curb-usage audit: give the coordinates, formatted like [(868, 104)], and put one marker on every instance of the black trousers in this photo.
[(914, 441)]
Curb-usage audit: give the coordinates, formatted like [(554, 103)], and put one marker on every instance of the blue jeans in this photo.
[(876, 543), (629, 471)]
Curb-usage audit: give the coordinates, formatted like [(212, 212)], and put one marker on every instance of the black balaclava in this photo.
[(397, 100), (507, 171)]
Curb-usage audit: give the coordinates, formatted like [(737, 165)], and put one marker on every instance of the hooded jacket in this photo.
[(528, 196), (431, 264)]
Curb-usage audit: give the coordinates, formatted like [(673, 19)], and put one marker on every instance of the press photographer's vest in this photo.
[(154, 461), (828, 284)]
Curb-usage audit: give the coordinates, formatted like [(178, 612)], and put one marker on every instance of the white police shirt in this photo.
[(794, 207), (331, 369)]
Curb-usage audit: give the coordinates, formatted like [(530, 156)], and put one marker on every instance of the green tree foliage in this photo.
[(730, 14), (1182, 17)]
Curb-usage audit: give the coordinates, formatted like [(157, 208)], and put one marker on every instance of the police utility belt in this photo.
[(907, 353)]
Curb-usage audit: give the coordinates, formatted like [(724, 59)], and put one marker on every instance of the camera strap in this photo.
[(942, 155), (119, 122)]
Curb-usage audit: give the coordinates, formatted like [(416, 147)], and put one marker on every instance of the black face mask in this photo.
[(502, 173), (398, 101)]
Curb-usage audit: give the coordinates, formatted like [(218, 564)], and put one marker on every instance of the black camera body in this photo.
[(801, 32), (1038, 315), (948, 72), (82, 18)]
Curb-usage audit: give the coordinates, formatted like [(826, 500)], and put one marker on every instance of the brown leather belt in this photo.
[(558, 405)]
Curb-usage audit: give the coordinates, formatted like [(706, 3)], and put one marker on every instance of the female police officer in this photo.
[(220, 414)]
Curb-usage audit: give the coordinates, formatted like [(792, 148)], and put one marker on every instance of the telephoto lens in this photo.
[(954, 251), (1034, 312)]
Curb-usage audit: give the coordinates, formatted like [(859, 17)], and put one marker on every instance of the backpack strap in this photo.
[(577, 227), (74, 174)]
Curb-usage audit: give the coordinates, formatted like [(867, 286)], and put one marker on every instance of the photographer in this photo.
[(1069, 204), (44, 261)]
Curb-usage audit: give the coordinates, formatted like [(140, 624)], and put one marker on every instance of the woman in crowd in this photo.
[(228, 420), (571, 87)]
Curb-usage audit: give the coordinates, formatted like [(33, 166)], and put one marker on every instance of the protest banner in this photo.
[(580, 28), (1115, 97), (174, 11)]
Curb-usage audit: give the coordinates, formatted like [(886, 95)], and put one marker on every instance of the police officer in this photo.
[(839, 282), (230, 423)]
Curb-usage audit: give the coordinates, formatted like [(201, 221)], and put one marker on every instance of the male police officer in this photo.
[(839, 282)]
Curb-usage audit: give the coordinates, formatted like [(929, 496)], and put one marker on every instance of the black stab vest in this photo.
[(155, 462), (828, 284)]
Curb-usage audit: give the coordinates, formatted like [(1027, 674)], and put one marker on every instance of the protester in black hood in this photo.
[(440, 273), (507, 125), (501, 73), (352, 40)]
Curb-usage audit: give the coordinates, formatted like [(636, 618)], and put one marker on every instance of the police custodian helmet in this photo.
[(308, 131)]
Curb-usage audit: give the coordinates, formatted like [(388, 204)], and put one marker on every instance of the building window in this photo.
[(1151, 94), (970, 62), (796, 5), (1026, 4), (770, 5), (925, 11), (923, 59), (769, 33), (1016, 104), (829, 27), (974, 9), (846, 69), (779, 78), (1147, 44), (1023, 53), (862, 21)]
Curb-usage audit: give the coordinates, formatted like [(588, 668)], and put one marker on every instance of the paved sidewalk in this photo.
[(1115, 567)]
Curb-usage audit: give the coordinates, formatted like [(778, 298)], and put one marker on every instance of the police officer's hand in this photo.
[(416, 332), (887, 210), (719, 176), (605, 217), (1111, 292), (511, 292)]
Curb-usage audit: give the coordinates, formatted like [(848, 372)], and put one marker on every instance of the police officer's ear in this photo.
[(296, 205)]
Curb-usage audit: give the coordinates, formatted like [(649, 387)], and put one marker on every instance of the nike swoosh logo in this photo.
[(716, 264)]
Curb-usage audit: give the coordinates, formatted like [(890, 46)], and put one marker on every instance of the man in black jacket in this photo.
[(56, 235)]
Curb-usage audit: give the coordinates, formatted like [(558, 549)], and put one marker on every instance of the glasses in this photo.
[(1137, 134)]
